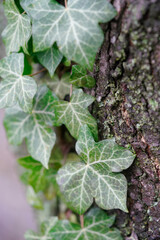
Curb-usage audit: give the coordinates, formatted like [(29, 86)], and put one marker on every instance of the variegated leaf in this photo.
[(18, 30), (74, 28), (80, 78), (93, 178), (50, 59), (34, 127), (16, 88), (75, 114), (96, 227)]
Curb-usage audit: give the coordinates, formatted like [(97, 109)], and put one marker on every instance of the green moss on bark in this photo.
[(128, 100)]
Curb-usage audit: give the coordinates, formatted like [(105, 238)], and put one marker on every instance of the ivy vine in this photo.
[(64, 39)]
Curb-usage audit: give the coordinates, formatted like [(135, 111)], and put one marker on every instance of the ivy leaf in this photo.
[(15, 87), (50, 59), (18, 31), (75, 28), (34, 127), (80, 78), (38, 176), (74, 113), (96, 226), (61, 87), (45, 230), (93, 177), (33, 199)]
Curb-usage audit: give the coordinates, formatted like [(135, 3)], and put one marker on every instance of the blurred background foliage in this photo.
[(25, 207)]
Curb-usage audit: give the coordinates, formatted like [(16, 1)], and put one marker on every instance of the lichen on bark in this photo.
[(127, 71)]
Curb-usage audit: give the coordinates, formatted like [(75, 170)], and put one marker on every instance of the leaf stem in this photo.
[(23, 12), (65, 1), (33, 74), (82, 221), (71, 90)]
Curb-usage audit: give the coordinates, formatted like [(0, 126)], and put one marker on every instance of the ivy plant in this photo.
[(50, 59), (81, 78), (93, 177), (51, 114), (16, 88), (74, 113), (36, 175), (74, 27), (18, 31), (97, 225), (34, 126)]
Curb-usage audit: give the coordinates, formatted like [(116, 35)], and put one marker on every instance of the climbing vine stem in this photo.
[(71, 90), (34, 74), (65, 3), (82, 221)]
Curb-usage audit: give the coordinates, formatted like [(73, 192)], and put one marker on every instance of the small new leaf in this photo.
[(75, 28), (50, 59), (18, 31), (34, 127), (93, 177), (80, 78), (75, 114), (96, 227), (15, 87), (38, 176)]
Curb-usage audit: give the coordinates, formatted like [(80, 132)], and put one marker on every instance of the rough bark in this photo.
[(128, 97)]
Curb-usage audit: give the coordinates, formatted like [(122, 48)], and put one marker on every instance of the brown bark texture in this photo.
[(127, 71)]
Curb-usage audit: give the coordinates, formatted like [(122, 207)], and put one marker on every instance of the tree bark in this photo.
[(127, 71)]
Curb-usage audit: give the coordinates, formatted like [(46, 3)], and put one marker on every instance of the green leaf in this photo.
[(24, 178), (96, 227), (80, 78), (16, 88), (18, 31), (66, 62), (50, 59), (38, 176), (93, 177), (33, 199), (61, 87), (34, 127), (75, 28), (74, 113), (45, 230)]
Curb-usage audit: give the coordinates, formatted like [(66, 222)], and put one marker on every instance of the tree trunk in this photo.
[(127, 70)]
